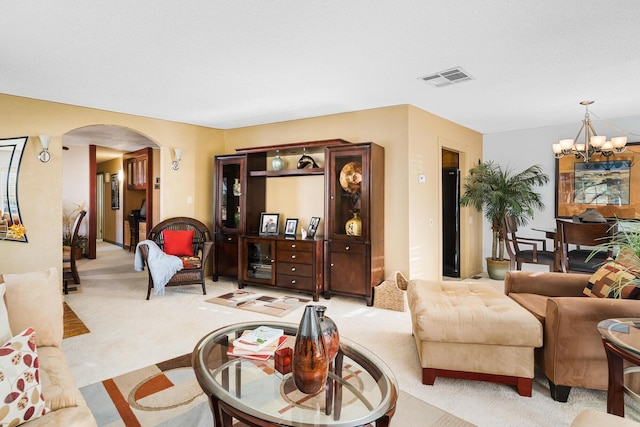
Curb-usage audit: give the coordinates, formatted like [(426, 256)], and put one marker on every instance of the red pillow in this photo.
[(178, 242)]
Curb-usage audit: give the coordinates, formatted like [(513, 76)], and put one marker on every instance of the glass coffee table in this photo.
[(621, 340), (361, 388)]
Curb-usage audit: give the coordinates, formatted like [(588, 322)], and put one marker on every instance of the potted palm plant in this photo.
[(500, 193)]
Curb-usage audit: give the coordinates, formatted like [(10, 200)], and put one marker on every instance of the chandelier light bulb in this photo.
[(597, 141)]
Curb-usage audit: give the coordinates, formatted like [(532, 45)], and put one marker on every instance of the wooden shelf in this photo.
[(288, 172)]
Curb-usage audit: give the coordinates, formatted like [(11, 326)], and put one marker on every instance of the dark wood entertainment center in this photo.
[(342, 260)]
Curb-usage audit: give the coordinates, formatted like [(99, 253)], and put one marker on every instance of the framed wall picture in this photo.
[(313, 227), (291, 227), (115, 192), (269, 223), (607, 184)]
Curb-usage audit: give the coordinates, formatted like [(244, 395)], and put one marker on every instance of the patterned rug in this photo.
[(72, 324), (252, 301), (168, 394)]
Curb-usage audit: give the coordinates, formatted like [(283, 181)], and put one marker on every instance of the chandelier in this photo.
[(593, 143)]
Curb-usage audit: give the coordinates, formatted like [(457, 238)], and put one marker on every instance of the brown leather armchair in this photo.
[(572, 354)]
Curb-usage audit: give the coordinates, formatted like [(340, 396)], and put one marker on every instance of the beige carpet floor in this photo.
[(129, 333)]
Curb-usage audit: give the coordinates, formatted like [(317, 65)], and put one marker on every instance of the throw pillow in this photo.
[(21, 396), (178, 242), (611, 281), (5, 329)]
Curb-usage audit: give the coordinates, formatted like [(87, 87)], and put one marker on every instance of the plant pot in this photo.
[(497, 269)]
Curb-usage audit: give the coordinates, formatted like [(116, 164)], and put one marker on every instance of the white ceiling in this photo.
[(226, 64)]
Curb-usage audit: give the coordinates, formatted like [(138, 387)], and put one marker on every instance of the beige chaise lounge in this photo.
[(473, 331)]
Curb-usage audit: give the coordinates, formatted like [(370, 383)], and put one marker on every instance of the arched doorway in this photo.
[(104, 149)]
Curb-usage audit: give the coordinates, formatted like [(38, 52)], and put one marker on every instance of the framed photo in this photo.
[(291, 227), (313, 227), (269, 223), (115, 192), (605, 183)]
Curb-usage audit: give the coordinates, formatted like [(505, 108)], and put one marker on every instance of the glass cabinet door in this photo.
[(230, 187), (347, 214), (259, 260)]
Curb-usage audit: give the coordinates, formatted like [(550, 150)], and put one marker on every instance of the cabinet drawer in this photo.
[(295, 282), (294, 245), (294, 269), (294, 256), (355, 248)]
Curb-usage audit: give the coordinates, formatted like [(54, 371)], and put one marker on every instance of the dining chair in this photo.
[(579, 240), (69, 266), (525, 250)]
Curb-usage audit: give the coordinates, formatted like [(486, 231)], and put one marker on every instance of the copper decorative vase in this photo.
[(329, 333), (310, 365)]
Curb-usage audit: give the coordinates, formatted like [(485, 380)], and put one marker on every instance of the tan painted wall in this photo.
[(110, 224), (412, 139), (40, 184), (428, 135)]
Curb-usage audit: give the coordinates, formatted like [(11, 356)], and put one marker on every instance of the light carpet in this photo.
[(168, 394), (279, 306), (130, 333)]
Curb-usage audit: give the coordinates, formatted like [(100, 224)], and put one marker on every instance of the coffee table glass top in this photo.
[(623, 333), (254, 387)]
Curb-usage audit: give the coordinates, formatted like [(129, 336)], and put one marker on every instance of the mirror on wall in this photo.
[(11, 227)]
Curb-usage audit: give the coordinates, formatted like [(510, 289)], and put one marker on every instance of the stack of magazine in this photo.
[(260, 343)]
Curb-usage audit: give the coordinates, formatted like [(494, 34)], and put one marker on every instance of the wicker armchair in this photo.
[(193, 272)]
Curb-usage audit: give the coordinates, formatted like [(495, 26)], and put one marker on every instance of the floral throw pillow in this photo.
[(20, 389)]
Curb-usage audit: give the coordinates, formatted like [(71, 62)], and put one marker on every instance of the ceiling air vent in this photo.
[(447, 77)]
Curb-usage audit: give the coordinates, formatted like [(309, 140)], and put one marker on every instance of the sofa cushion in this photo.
[(612, 281), (58, 385), (21, 396), (178, 242), (468, 312), (35, 299), (5, 329)]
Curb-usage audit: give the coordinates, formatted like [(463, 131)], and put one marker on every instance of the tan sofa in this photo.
[(471, 330), (573, 354), (35, 300)]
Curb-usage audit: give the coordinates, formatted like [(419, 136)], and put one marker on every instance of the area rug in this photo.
[(168, 394), (72, 324), (252, 301)]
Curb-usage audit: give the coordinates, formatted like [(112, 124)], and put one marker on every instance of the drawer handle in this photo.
[(293, 269), (293, 245), (346, 248), (331, 264), (293, 257), (293, 282), (229, 239)]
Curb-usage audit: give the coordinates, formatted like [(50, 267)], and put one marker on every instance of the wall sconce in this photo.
[(44, 155), (177, 156)]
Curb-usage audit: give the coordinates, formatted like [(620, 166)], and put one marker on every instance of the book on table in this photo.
[(263, 354), (257, 339)]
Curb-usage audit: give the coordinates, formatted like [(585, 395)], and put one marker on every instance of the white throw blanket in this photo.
[(162, 267)]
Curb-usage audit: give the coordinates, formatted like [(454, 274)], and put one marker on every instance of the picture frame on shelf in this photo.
[(291, 228), (269, 223), (313, 227)]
